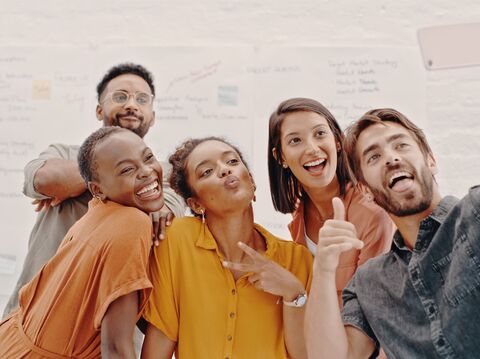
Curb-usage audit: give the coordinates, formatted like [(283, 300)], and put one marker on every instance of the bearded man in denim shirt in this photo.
[(421, 299)]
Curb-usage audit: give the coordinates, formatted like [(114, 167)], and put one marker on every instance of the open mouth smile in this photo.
[(315, 165), (400, 181), (150, 190)]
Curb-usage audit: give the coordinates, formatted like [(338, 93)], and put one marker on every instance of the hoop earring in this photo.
[(203, 216)]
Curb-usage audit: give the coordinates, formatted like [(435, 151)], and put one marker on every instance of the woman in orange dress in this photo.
[(85, 301)]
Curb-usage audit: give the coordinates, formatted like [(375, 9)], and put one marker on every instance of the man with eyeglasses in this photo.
[(125, 99)]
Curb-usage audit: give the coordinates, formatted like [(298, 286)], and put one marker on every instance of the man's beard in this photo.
[(412, 205), (140, 130)]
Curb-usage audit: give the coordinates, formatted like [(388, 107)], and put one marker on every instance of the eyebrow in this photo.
[(313, 128), (119, 163), (224, 153), (390, 139)]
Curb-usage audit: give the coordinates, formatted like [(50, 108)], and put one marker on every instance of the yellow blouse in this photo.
[(197, 303)]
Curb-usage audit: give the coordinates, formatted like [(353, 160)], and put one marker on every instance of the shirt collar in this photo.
[(438, 215), (206, 240)]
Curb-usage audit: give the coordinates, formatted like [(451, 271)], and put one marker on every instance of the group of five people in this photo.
[(219, 285)]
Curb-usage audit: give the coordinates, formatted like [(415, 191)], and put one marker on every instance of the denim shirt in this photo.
[(424, 303)]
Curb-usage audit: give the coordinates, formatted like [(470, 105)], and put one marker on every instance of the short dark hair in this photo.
[(178, 176), (86, 154), (122, 69), (377, 116), (285, 189)]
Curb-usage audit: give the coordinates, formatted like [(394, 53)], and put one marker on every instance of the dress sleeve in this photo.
[(352, 314), (52, 151), (122, 264), (162, 309)]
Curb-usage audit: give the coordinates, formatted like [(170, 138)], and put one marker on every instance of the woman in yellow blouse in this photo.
[(224, 287)]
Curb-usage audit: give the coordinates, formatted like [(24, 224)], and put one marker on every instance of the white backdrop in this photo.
[(221, 67)]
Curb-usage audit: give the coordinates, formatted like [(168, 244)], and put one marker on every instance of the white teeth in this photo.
[(398, 174), (148, 188), (315, 163)]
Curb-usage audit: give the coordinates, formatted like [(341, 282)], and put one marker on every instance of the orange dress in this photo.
[(374, 227), (103, 257)]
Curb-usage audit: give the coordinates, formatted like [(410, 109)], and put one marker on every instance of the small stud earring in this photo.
[(284, 165)]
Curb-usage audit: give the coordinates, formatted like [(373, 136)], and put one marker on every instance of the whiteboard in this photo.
[(47, 95)]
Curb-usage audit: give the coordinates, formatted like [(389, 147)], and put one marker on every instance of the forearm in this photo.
[(324, 331), (157, 345), (293, 322), (117, 350), (59, 178)]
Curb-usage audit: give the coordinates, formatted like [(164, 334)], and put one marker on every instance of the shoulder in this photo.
[(183, 232), (126, 221), (474, 195), (285, 252)]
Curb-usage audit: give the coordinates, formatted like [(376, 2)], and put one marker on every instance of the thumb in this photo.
[(338, 209)]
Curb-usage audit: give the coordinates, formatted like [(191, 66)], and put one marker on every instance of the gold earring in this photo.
[(203, 215)]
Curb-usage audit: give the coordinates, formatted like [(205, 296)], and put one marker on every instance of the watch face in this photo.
[(301, 300)]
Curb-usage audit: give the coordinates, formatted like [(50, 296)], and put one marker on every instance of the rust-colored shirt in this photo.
[(103, 257), (374, 227)]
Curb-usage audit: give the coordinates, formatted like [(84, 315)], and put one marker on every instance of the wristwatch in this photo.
[(297, 302)]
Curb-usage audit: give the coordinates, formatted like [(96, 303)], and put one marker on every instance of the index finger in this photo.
[(252, 253), (338, 209)]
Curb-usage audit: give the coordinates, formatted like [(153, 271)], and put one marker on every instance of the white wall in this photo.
[(452, 104)]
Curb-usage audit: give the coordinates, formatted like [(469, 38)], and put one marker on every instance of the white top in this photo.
[(311, 245)]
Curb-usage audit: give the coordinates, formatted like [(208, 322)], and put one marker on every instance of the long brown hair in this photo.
[(285, 189)]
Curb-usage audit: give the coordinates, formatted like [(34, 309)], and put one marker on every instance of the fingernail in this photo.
[(157, 243), (161, 236), (240, 244)]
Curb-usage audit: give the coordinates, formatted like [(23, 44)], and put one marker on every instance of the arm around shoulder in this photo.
[(54, 174)]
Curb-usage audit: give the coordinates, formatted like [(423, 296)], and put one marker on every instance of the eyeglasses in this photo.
[(122, 97)]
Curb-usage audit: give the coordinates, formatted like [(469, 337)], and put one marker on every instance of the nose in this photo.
[(225, 171), (131, 103), (145, 171), (312, 146), (391, 158)]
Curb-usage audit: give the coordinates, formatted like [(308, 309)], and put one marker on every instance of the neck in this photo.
[(231, 228), (408, 225), (321, 199)]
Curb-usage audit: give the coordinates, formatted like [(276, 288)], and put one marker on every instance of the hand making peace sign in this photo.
[(267, 275)]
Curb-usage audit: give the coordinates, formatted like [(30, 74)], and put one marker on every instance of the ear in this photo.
[(432, 164), (195, 205), (96, 190), (281, 161), (99, 112), (339, 147), (253, 182)]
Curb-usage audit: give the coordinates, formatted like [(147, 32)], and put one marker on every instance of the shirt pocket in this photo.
[(460, 271)]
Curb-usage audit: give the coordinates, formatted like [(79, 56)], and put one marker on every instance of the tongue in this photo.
[(402, 185), (315, 168)]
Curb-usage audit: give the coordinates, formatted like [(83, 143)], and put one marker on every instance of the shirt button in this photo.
[(234, 292), (229, 338), (232, 315), (441, 342), (431, 309)]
